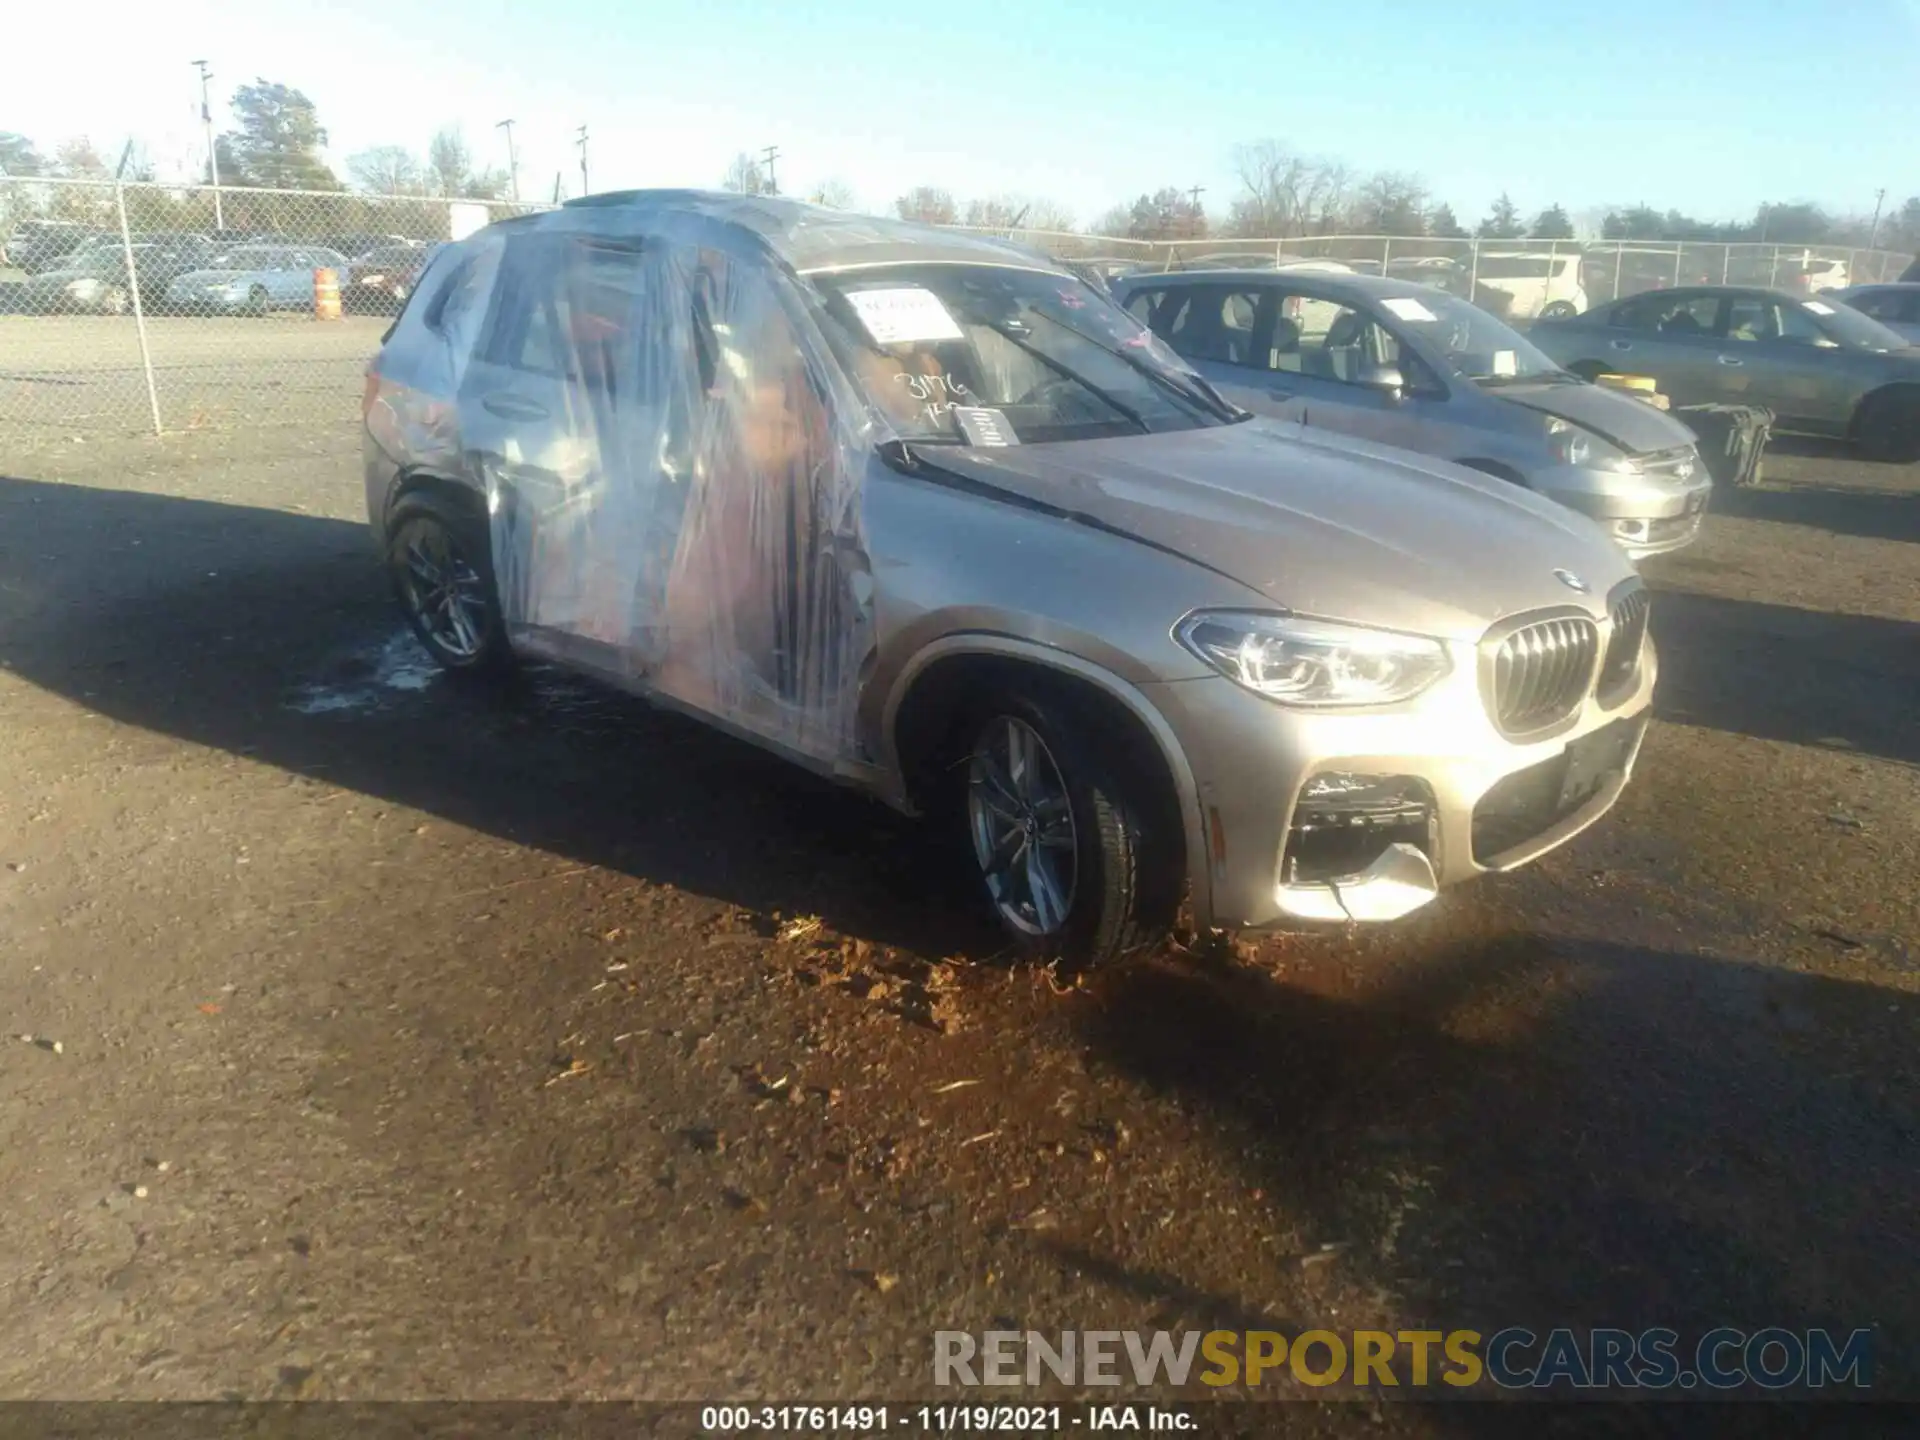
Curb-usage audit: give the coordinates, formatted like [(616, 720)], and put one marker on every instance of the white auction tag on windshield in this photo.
[(983, 426), (1818, 307), (1505, 362), (1408, 308), (903, 316)]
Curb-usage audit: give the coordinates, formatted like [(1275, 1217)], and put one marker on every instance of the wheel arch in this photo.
[(1879, 395), (921, 708)]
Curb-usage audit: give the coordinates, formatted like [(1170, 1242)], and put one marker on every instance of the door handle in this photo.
[(1621, 344), (1731, 360), (512, 407)]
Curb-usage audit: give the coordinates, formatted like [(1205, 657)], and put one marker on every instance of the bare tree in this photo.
[(1283, 192), (745, 177), (449, 162), (927, 204), (834, 194), (386, 170), (1048, 215), (1390, 203)]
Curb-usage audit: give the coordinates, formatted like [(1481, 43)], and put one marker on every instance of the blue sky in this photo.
[(1708, 107)]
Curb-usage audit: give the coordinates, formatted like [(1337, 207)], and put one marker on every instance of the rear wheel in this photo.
[(1887, 426), (439, 560), (1060, 841), (1558, 310)]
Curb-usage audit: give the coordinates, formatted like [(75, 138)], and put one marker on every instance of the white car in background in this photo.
[(1543, 284)]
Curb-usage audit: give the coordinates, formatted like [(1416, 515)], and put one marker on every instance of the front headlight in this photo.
[(83, 289), (1572, 445), (1313, 662)]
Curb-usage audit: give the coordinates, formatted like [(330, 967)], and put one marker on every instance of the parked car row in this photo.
[(1822, 366), (931, 515), (195, 274)]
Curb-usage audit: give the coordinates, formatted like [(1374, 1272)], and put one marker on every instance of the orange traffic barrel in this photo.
[(326, 295)]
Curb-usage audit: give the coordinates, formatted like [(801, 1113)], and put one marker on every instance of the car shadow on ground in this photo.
[(1868, 511), (1776, 672), (1454, 1142), (218, 623)]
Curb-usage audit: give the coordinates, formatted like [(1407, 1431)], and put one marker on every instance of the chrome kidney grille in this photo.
[(1538, 674), (1630, 612)]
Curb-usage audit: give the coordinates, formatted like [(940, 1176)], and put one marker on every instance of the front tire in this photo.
[(257, 302), (440, 562), (1558, 310), (115, 301), (1060, 842)]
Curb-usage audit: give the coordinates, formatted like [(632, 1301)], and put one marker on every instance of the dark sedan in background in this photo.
[(379, 282), (1821, 366)]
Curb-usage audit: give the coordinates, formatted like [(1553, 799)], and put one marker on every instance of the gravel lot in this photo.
[(415, 1043)]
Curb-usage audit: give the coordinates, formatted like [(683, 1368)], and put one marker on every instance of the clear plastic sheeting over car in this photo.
[(671, 498)]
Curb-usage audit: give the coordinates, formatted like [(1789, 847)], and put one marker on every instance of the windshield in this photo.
[(1033, 355), (1474, 345), (1849, 326)]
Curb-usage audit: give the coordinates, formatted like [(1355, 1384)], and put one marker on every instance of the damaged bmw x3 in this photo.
[(925, 513)]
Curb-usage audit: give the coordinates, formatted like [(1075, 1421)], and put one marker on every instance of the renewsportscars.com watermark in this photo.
[(1510, 1359)]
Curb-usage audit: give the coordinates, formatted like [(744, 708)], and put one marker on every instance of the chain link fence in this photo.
[(164, 308)]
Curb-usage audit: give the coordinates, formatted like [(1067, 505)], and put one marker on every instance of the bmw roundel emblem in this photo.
[(1571, 581)]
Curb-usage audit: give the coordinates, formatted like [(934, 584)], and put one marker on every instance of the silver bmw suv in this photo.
[(927, 514)]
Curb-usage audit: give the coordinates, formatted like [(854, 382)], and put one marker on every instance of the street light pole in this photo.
[(582, 142), (213, 154), (513, 164)]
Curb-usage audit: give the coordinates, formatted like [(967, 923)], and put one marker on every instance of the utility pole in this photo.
[(581, 141), (1193, 195), (213, 155), (771, 154), (1879, 199), (513, 165)]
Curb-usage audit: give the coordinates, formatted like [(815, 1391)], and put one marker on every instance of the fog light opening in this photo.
[(1344, 822), (1630, 529)]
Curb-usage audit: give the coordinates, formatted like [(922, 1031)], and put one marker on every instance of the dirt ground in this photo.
[(366, 1037)]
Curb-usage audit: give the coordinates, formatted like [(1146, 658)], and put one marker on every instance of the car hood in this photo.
[(54, 278), (1319, 524), (1633, 425)]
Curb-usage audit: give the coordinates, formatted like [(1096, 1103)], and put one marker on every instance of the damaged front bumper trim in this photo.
[(1396, 884)]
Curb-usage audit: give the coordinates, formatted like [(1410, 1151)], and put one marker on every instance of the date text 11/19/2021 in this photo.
[(941, 1419)]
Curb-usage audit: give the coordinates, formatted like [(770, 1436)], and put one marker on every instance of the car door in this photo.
[(289, 282), (1323, 353), (1223, 330), (1672, 336), (1775, 354)]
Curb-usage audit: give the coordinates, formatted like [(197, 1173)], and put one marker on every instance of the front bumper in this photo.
[(1489, 804), (1649, 512)]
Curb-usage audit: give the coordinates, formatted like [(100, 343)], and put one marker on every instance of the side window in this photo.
[(1756, 318), (1337, 342), (1668, 314), (1140, 305), (1221, 325)]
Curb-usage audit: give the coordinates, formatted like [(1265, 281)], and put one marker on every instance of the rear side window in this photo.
[(572, 306)]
